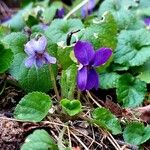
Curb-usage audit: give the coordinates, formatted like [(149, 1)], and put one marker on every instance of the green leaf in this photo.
[(144, 72), (125, 17), (50, 12), (135, 133), (17, 22), (68, 82), (6, 58), (33, 107), (102, 33), (15, 41), (71, 107), (3, 31), (133, 47), (31, 21), (37, 29), (105, 119), (39, 140), (65, 61), (108, 80), (30, 79), (59, 28), (130, 91)]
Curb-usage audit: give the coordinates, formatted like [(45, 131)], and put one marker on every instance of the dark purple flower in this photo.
[(88, 8), (37, 55), (147, 21), (87, 77), (60, 13)]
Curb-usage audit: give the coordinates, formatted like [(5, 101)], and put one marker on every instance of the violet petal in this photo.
[(84, 52), (29, 61), (43, 26), (88, 8), (101, 56), (49, 59), (147, 21), (82, 78), (60, 13), (92, 80), (29, 49), (40, 44), (39, 63)]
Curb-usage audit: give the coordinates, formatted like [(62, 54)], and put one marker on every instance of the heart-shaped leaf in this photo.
[(71, 107), (39, 140), (33, 107), (135, 133)]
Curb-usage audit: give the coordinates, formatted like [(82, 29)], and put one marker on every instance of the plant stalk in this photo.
[(54, 82), (76, 8)]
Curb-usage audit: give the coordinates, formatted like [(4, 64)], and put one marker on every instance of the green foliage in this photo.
[(31, 79), (6, 58), (59, 28), (33, 107), (31, 21), (108, 80), (39, 140), (64, 61), (117, 24), (133, 47), (105, 119), (68, 82), (135, 133), (4, 31), (18, 22), (123, 14), (97, 33), (71, 107), (130, 91), (145, 72), (50, 12)]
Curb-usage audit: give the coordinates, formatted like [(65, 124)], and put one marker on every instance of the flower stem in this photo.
[(75, 9), (78, 94), (54, 82)]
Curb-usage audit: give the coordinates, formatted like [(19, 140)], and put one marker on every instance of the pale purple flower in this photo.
[(147, 21), (88, 8), (37, 55), (87, 77), (60, 13), (43, 26)]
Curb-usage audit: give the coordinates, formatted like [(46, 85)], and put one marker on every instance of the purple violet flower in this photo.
[(43, 26), (87, 77), (37, 55), (88, 8), (147, 21), (60, 13)]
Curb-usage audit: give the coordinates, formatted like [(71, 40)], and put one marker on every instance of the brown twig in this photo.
[(129, 146)]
